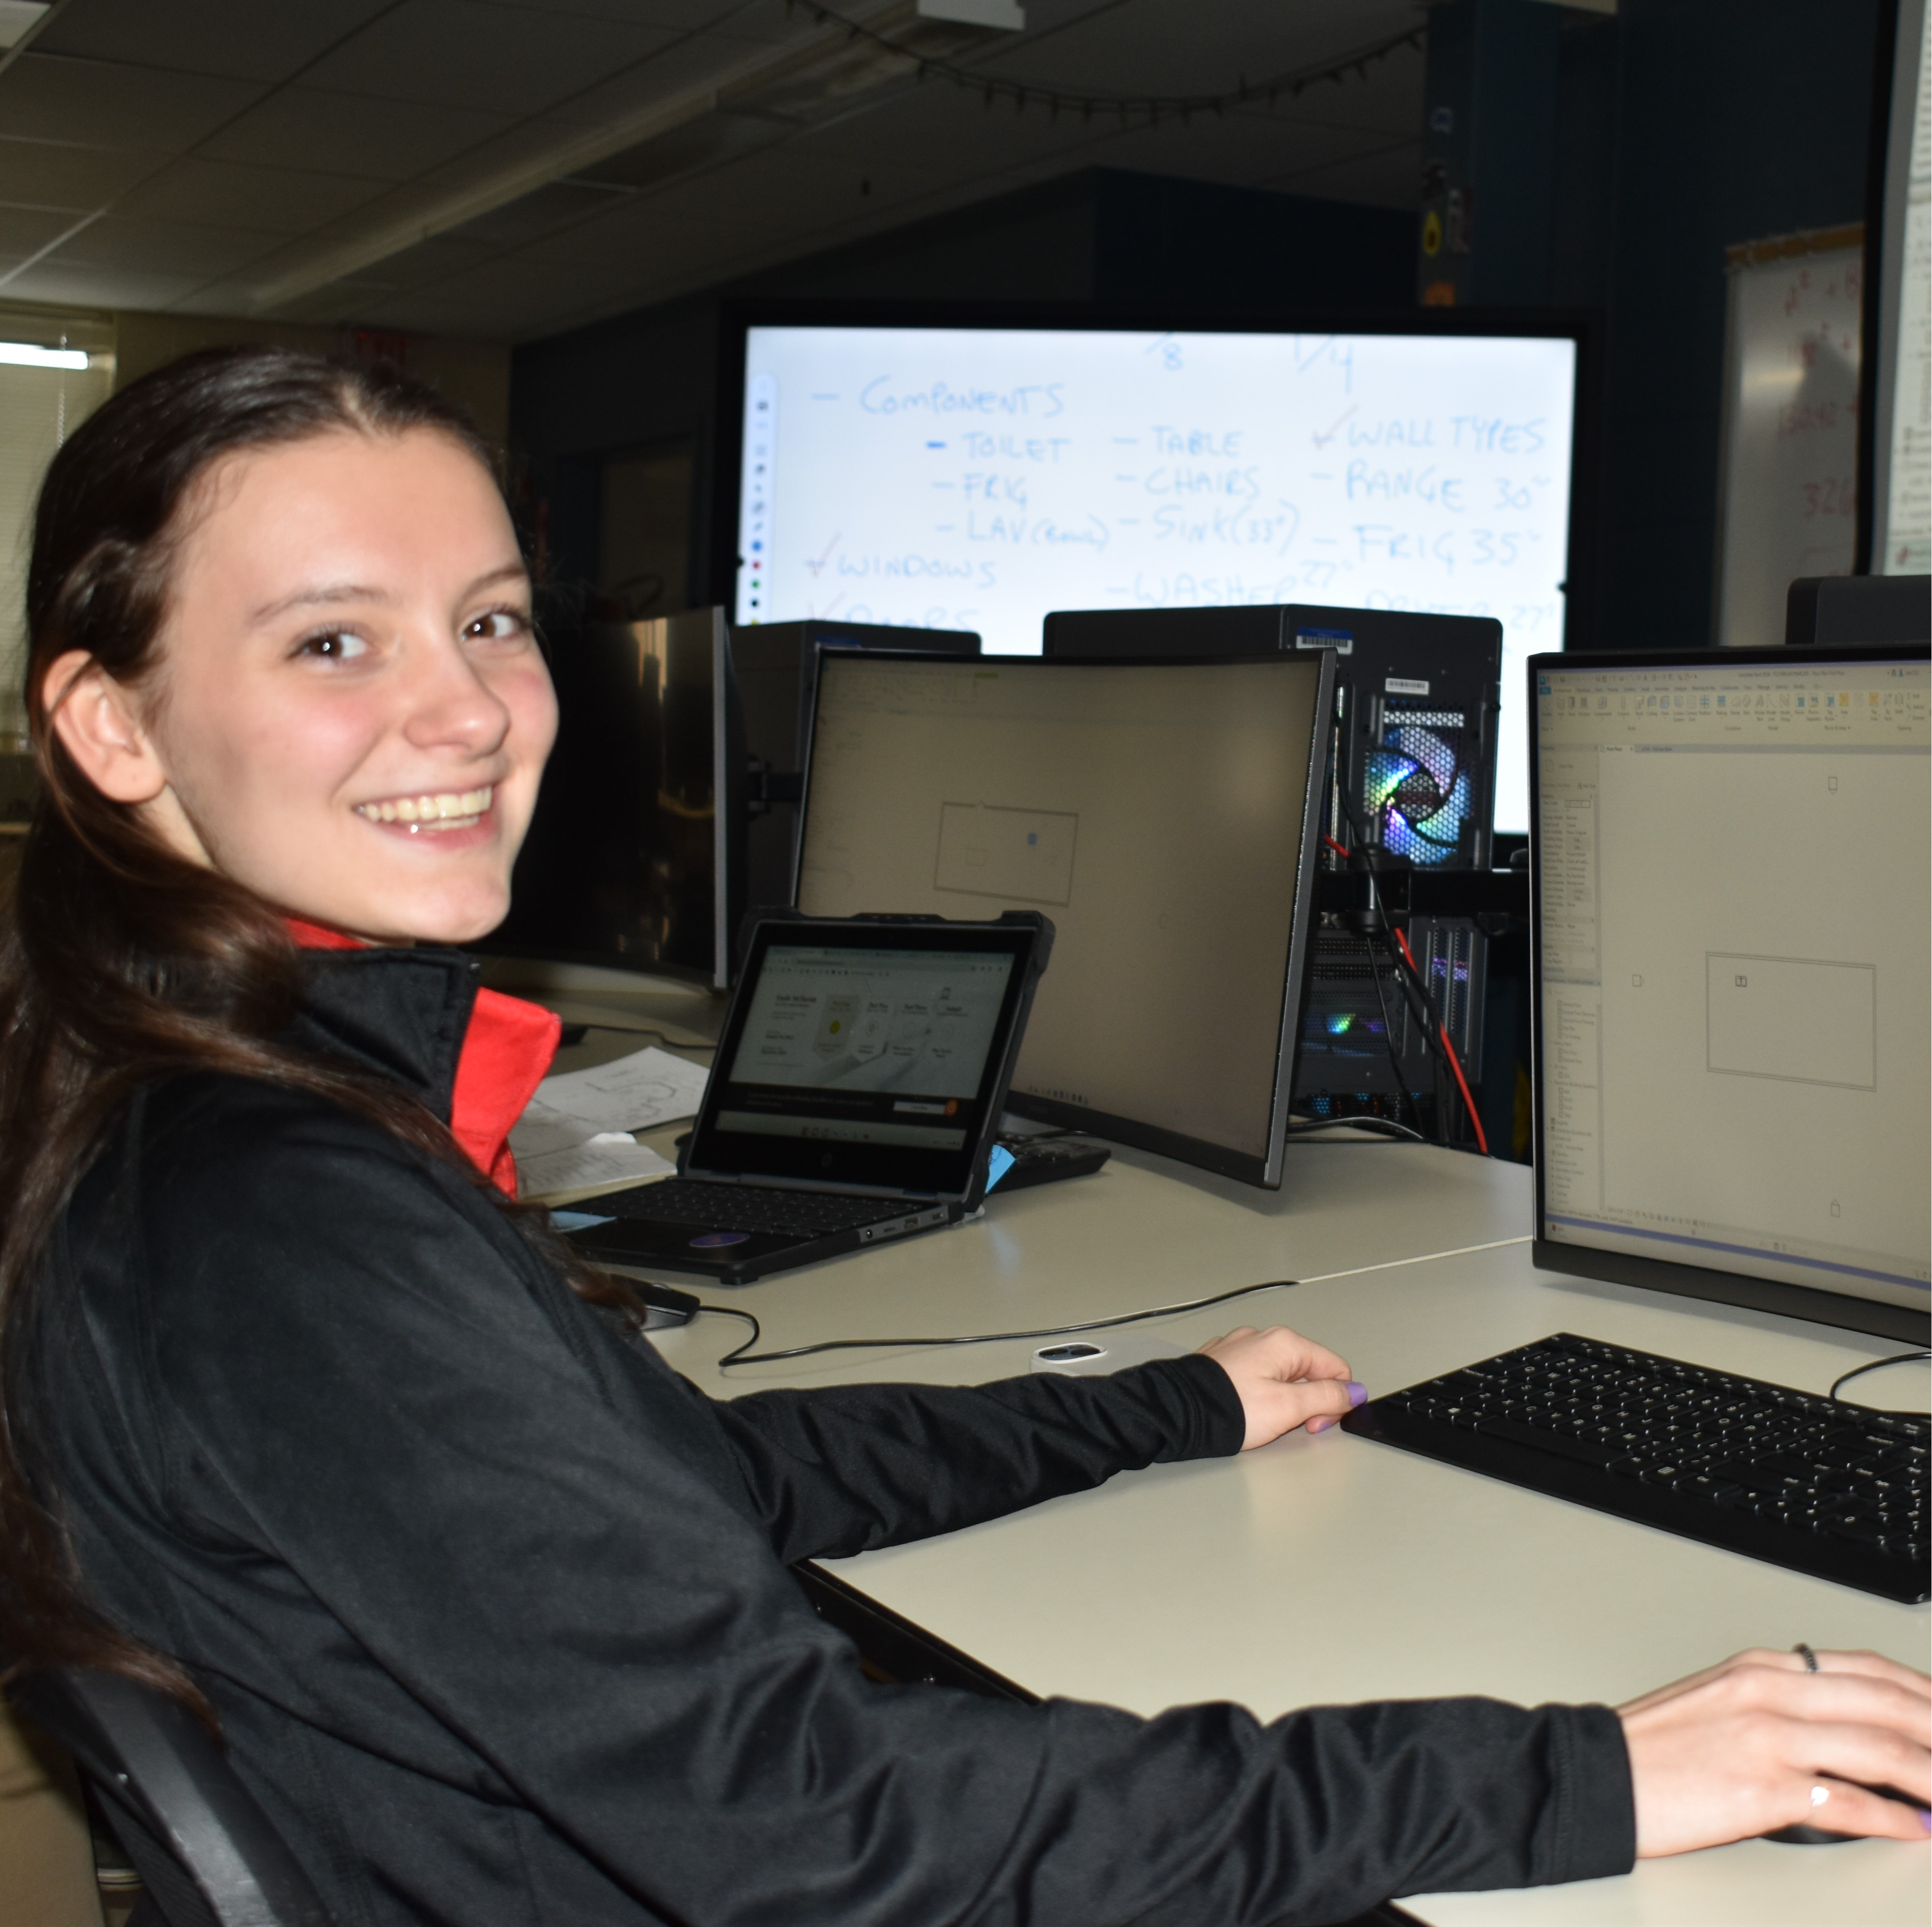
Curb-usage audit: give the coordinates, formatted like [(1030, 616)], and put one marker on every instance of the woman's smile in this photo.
[(435, 813)]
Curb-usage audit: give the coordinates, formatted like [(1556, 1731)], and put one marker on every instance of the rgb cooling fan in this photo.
[(1417, 785)]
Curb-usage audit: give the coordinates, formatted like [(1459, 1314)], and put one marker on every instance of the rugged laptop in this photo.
[(854, 1097)]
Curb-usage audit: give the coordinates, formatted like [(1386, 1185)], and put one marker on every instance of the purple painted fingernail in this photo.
[(1925, 1820), (1358, 1394)]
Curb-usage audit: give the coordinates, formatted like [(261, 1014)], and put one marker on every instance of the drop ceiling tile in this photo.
[(680, 68), (724, 202), (225, 193), (55, 174), (428, 261), (482, 305), (545, 211), (45, 96), (25, 231), (631, 230), (351, 303), (706, 141), (766, 19), (248, 39), (99, 287), (303, 127), (510, 60), (163, 247)]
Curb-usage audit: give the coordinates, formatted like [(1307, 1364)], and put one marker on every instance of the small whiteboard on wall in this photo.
[(1789, 504)]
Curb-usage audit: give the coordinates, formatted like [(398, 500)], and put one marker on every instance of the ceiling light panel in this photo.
[(27, 355)]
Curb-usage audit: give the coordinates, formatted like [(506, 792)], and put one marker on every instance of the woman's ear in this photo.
[(98, 725)]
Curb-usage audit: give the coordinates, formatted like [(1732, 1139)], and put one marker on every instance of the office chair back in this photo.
[(207, 1854)]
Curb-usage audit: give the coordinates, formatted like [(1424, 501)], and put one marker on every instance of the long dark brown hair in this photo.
[(121, 962)]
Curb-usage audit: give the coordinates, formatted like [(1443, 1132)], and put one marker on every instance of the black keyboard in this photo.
[(1788, 1477), (731, 1207)]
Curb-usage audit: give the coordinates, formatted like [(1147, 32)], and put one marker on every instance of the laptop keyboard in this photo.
[(1799, 1480), (731, 1207)]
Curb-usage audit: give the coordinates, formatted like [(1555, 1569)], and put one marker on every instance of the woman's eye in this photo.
[(498, 625), (334, 645)]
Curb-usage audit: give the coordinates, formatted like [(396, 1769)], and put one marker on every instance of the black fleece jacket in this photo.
[(494, 1606)]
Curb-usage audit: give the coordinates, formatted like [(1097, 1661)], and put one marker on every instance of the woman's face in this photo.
[(351, 714)]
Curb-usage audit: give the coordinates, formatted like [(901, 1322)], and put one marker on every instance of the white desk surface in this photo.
[(1330, 1569), (1139, 1232)]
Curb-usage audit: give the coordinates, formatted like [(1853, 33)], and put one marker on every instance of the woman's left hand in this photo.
[(1284, 1380)]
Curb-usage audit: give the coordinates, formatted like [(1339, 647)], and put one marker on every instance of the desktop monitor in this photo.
[(1165, 815), (1732, 1006), (978, 476), (636, 852), (777, 665)]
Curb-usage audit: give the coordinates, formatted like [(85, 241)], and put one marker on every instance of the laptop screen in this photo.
[(862, 1063)]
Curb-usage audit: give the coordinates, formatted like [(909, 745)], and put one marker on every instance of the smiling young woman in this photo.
[(303, 1419), (348, 709)]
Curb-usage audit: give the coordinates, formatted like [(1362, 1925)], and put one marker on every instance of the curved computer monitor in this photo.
[(1733, 1010), (777, 665), (1165, 815)]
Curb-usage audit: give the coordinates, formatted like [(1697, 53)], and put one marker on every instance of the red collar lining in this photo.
[(507, 1052)]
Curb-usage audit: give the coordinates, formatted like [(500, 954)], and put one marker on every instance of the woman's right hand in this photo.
[(1743, 1748)]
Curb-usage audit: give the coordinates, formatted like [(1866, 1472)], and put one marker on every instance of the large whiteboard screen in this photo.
[(971, 478)]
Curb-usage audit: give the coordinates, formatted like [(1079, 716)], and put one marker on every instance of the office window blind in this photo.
[(40, 407)]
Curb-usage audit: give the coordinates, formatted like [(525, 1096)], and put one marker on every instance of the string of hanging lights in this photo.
[(1151, 108)]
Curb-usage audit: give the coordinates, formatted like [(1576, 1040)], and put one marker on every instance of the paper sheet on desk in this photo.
[(648, 1088), (610, 1158)]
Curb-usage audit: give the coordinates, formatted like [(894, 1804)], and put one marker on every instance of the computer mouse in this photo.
[(1078, 1358), (664, 1305), (1804, 1834)]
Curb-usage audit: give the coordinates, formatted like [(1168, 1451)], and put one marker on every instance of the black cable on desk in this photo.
[(1877, 1365), (744, 1355)]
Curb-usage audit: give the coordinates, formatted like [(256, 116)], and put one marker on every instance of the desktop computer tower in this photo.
[(777, 665), (1412, 773), (1355, 1018)]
